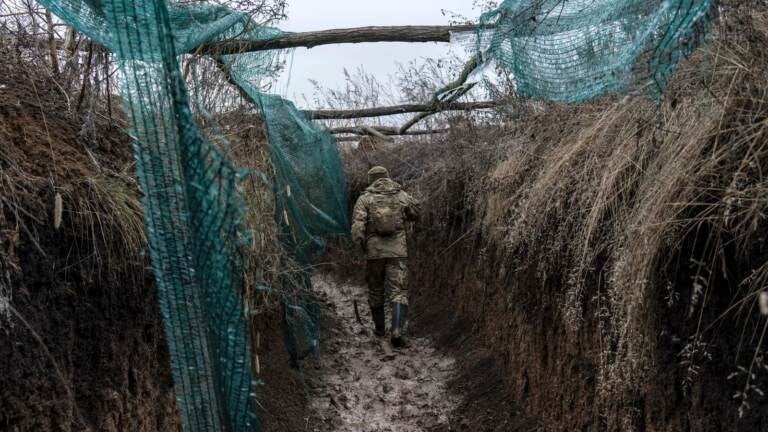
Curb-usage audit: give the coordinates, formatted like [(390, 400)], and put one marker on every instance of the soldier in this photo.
[(378, 229)]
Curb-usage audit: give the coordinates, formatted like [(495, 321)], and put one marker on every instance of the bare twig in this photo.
[(457, 87)]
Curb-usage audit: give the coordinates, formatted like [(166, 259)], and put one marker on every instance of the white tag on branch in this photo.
[(58, 210), (763, 301)]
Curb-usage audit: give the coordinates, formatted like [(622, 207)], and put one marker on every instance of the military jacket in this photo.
[(383, 192)]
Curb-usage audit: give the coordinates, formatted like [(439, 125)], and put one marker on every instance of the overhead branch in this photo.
[(388, 131), (412, 34), (396, 109), (340, 36), (379, 131)]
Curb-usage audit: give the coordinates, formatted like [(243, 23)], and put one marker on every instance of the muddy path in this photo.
[(364, 385)]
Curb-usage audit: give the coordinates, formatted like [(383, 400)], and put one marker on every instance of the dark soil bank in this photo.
[(82, 344), (81, 338), (89, 355), (606, 276)]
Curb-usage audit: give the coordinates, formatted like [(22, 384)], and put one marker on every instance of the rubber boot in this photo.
[(399, 316), (377, 314)]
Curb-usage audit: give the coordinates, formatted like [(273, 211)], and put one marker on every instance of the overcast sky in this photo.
[(326, 63)]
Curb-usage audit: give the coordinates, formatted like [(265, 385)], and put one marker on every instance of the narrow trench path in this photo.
[(364, 385)]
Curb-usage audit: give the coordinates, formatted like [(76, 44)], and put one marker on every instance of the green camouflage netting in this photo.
[(192, 205), (576, 50)]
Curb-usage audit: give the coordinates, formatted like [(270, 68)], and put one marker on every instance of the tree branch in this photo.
[(396, 109), (388, 131), (413, 34), (374, 132), (52, 43), (339, 36)]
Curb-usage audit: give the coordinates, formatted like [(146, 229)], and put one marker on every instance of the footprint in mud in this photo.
[(367, 386)]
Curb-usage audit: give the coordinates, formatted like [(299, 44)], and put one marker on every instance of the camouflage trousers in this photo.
[(387, 276)]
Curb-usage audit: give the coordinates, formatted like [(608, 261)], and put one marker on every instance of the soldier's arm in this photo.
[(359, 219), (412, 209)]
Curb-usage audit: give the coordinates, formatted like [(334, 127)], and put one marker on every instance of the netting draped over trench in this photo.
[(557, 50), (193, 210), (309, 185), (576, 50)]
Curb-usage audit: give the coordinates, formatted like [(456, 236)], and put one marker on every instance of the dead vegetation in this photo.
[(639, 195)]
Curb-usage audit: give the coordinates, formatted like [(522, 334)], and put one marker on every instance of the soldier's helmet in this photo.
[(377, 172)]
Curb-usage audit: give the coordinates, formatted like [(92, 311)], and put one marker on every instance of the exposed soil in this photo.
[(81, 339), (487, 404), (365, 385), (100, 362), (283, 401), (83, 347)]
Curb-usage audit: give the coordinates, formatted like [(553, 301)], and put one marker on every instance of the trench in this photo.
[(363, 384)]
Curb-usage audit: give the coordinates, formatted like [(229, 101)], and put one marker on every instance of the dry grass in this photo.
[(645, 219), (55, 180), (266, 261), (629, 186)]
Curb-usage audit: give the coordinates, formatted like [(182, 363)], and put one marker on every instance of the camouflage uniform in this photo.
[(386, 254), (387, 275)]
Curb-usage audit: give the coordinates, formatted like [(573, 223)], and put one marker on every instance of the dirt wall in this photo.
[(82, 344), (88, 355), (81, 337)]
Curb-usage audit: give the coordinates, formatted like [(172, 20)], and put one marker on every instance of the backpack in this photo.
[(385, 215)]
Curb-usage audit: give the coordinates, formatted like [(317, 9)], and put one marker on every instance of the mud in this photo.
[(364, 385)]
